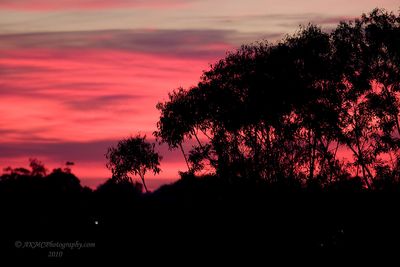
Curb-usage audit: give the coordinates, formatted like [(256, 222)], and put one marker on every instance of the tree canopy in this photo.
[(285, 111), (135, 156)]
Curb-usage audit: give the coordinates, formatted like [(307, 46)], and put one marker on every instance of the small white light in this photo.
[(96, 222)]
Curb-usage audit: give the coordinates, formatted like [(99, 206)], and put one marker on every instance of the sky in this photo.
[(76, 76)]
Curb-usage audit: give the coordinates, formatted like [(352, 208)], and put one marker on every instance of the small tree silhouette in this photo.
[(37, 167), (68, 165), (135, 156)]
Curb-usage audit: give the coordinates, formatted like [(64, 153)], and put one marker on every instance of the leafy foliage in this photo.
[(135, 156), (285, 110)]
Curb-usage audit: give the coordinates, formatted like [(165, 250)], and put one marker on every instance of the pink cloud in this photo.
[(115, 91), (200, 43), (63, 94), (47, 5), (71, 96)]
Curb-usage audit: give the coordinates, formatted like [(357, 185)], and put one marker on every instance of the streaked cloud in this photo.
[(265, 16), (48, 5), (88, 93), (277, 20), (102, 102), (175, 43), (88, 151)]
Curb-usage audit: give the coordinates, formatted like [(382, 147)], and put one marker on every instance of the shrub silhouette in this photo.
[(63, 182)]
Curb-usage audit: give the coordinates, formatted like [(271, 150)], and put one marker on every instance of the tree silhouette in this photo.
[(37, 167), (68, 166), (135, 156), (382, 35), (63, 181), (282, 111), (175, 121)]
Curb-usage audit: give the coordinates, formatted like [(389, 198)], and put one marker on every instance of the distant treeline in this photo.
[(207, 217)]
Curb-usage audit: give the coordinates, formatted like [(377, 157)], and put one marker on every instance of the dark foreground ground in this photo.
[(196, 225)]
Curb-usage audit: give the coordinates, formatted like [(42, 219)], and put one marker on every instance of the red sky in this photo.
[(77, 76)]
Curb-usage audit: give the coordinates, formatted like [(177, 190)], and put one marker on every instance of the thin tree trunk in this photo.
[(198, 140), (360, 155), (268, 152), (312, 156), (184, 155), (144, 183), (256, 159), (331, 161), (396, 119), (395, 116), (205, 134), (363, 166), (364, 169)]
